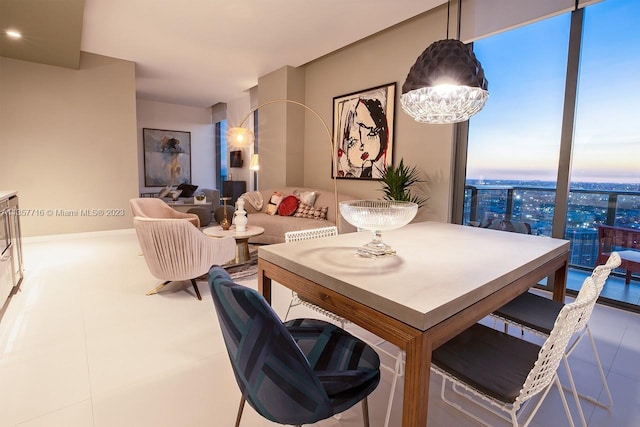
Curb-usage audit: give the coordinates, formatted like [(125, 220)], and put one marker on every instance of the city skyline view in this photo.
[(517, 135)]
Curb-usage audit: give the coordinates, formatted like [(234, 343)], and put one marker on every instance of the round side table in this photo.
[(242, 239)]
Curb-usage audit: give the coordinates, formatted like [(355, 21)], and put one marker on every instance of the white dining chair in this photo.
[(537, 314), (503, 373), (312, 233)]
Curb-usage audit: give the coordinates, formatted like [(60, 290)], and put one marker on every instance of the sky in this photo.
[(517, 134)]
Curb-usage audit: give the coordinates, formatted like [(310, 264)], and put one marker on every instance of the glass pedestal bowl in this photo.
[(377, 216)]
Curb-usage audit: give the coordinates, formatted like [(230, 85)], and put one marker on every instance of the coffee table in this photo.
[(242, 240)]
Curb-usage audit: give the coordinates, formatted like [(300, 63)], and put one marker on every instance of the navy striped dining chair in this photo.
[(298, 372)]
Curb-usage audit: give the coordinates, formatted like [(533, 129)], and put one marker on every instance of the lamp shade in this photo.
[(445, 85), (254, 165), (239, 136)]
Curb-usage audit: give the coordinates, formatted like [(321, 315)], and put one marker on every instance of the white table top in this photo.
[(439, 268), (217, 231)]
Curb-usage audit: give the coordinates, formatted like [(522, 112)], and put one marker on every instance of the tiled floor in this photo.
[(81, 345)]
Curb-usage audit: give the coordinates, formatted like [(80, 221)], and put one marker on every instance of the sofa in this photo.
[(276, 225)]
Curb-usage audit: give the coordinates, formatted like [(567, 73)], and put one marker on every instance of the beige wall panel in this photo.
[(69, 143), (282, 128)]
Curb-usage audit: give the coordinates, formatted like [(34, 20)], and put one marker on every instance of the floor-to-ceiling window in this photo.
[(514, 140), (515, 157), (221, 153)]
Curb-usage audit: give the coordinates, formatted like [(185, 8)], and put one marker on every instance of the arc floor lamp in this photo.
[(243, 137)]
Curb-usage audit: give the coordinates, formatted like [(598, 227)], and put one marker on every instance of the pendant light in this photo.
[(446, 84)]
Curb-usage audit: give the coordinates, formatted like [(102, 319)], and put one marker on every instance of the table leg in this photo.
[(560, 281), (242, 251), (416, 382), (264, 284)]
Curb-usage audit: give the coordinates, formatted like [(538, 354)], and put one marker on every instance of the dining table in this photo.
[(443, 278)]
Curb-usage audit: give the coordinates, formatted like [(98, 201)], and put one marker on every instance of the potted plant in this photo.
[(396, 183)]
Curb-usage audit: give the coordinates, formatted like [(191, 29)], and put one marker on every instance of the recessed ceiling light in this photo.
[(14, 34)]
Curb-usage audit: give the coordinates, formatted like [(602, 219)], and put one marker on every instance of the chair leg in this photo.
[(574, 391), (396, 374), (240, 409), (564, 402), (291, 303), (195, 288), (157, 288), (365, 412), (602, 375)]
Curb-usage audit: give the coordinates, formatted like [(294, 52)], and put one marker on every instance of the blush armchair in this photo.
[(151, 207), (175, 250)]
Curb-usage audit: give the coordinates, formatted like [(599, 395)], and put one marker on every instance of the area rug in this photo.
[(246, 270)]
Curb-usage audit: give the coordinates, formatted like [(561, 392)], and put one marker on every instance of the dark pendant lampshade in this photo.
[(445, 85)]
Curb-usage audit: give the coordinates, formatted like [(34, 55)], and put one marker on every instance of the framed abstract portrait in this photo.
[(363, 132), (167, 157)]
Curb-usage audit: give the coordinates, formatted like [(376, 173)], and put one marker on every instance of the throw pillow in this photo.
[(306, 197), (274, 202), (306, 211), (187, 189), (288, 206), (164, 192)]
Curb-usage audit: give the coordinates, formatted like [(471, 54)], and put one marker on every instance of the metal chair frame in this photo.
[(599, 277), (543, 374)]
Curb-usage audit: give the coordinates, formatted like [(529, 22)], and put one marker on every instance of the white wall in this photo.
[(160, 115), (68, 142)]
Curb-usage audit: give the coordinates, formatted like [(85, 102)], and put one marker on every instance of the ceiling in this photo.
[(196, 52)]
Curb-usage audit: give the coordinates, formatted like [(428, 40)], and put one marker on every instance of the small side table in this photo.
[(184, 207), (242, 239)]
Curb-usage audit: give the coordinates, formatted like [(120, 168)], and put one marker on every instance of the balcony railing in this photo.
[(586, 210)]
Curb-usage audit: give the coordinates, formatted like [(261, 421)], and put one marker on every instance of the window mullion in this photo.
[(568, 126)]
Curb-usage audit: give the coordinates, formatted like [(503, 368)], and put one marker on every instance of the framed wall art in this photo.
[(363, 132), (167, 157)]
